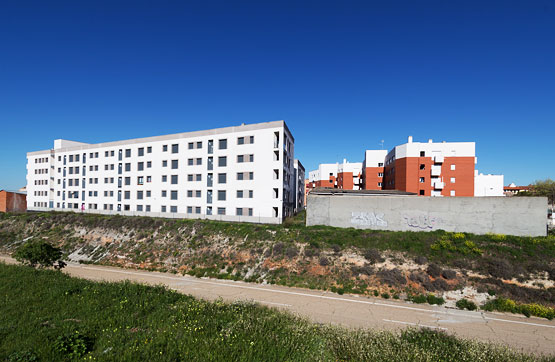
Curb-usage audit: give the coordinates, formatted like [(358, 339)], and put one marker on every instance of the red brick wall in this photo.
[(345, 180), (12, 202), (371, 178)]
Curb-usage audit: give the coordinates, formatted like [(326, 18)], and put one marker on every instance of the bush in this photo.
[(432, 299), (324, 261), (466, 304), (418, 298), (433, 270), (291, 252), (449, 274), (385, 295), (499, 268), (39, 253), (507, 305), (373, 256), (73, 345), (366, 269), (392, 277), (421, 260)]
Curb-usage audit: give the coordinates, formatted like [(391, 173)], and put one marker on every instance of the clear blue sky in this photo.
[(343, 75)]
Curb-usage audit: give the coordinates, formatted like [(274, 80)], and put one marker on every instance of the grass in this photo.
[(47, 315)]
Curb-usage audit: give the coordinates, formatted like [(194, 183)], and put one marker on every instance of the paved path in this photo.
[(529, 334)]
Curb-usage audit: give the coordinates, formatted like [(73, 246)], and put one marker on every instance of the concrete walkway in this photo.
[(532, 335)]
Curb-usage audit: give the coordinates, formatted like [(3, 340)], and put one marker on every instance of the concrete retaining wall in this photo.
[(523, 216)]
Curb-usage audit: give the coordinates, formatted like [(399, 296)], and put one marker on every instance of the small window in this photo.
[(190, 162), (199, 144), (422, 153), (197, 210), (127, 181), (239, 194), (198, 193), (173, 195), (240, 158), (452, 180), (148, 150), (199, 177), (164, 149), (148, 193), (222, 144), (452, 167), (250, 194), (452, 193), (189, 209), (128, 152), (139, 195), (222, 178), (164, 178), (190, 177), (140, 180), (174, 164), (175, 148), (380, 164), (140, 166), (422, 166), (239, 211), (174, 179), (189, 193), (222, 161), (191, 145), (148, 164), (163, 209), (422, 180), (164, 163), (127, 195), (241, 140), (127, 167), (139, 207), (199, 161), (221, 210), (422, 193), (141, 151), (221, 195), (164, 193)]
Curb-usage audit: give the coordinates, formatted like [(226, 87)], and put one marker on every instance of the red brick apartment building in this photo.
[(12, 201), (425, 168)]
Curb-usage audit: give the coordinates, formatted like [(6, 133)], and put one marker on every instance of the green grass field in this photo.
[(47, 315)]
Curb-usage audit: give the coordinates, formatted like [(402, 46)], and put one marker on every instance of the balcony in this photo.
[(438, 159), (436, 170), (438, 185)]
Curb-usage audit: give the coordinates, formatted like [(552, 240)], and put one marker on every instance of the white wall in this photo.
[(488, 185)]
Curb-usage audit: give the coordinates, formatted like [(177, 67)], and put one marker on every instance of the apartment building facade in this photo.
[(345, 175), (242, 173), (424, 168), (300, 185)]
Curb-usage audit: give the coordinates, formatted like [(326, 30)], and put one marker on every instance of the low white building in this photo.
[(243, 173), (488, 185)]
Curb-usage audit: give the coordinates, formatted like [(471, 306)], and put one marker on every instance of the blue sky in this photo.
[(343, 75)]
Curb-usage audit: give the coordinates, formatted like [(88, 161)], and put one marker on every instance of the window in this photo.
[(164, 193), (250, 194), (240, 176), (251, 139), (222, 161), (149, 179), (422, 166), (128, 152), (147, 208), (452, 180), (380, 164), (141, 151), (140, 166), (452, 167), (149, 150), (164, 163), (241, 140), (379, 184), (173, 195), (221, 210), (198, 193), (163, 209), (164, 178), (139, 207), (127, 167), (140, 180), (239, 211), (222, 178), (422, 153), (199, 161), (222, 144), (380, 174), (128, 181), (165, 149), (175, 148), (191, 145), (275, 193), (197, 210), (422, 180), (148, 193), (210, 146), (239, 194), (148, 164), (452, 193), (240, 158), (189, 209), (190, 162), (190, 177), (198, 177), (174, 179), (199, 144), (174, 164), (173, 208), (422, 193), (139, 195), (189, 193), (127, 195), (111, 155), (221, 195)]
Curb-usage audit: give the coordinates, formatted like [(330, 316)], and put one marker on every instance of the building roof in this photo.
[(339, 192), (14, 192)]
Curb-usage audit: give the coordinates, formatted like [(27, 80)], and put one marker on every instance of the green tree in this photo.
[(36, 252), (545, 188)]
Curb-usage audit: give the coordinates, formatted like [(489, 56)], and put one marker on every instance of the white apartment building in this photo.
[(243, 173), (299, 193), (488, 185)]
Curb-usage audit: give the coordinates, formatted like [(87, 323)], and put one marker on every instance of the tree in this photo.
[(36, 252), (545, 188)]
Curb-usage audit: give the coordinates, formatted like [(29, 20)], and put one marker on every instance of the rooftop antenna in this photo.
[(381, 144)]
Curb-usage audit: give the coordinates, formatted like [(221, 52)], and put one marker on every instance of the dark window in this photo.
[(173, 195), (222, 161), (127, 195), (140, 166), (164, 149), (199, 144), (149, 150), (174, 179), (128, 152), (175, 148), (139, 195), (221, 210), (422, 166), (221, 195), (222, 178), (191, 145), (127, 167), (128, 181), (422, 153), (241, 140), (422, 193), (174, 164), (141, 151), (190, 162), (239, 211), (222, 144), (173, 208), (239, 194)]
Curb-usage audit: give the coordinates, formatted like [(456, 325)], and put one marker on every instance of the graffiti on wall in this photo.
[(368, 218), (422, 221)]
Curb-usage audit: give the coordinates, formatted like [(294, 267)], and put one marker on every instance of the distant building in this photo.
[(300, 185), (424, 168), (11, 201), (513, 189)]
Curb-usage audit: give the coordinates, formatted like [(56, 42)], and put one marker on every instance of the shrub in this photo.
[(73, 345), (499, 268), (507, 305), (432, 299), (376, 293), (291, 252), (278, 248), (385, 295), (324, 261), (421, 260), (366, 269), (373, 256), (392, 277), (449, 274), (39, 253), (433, 270), (466, 304), (418, 298)]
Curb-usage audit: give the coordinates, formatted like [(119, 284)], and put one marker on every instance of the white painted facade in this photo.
[(437, 150), (181, 175), (374, 158), (488, 185)]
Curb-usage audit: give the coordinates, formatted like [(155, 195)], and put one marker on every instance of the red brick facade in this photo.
[(12, 201)]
